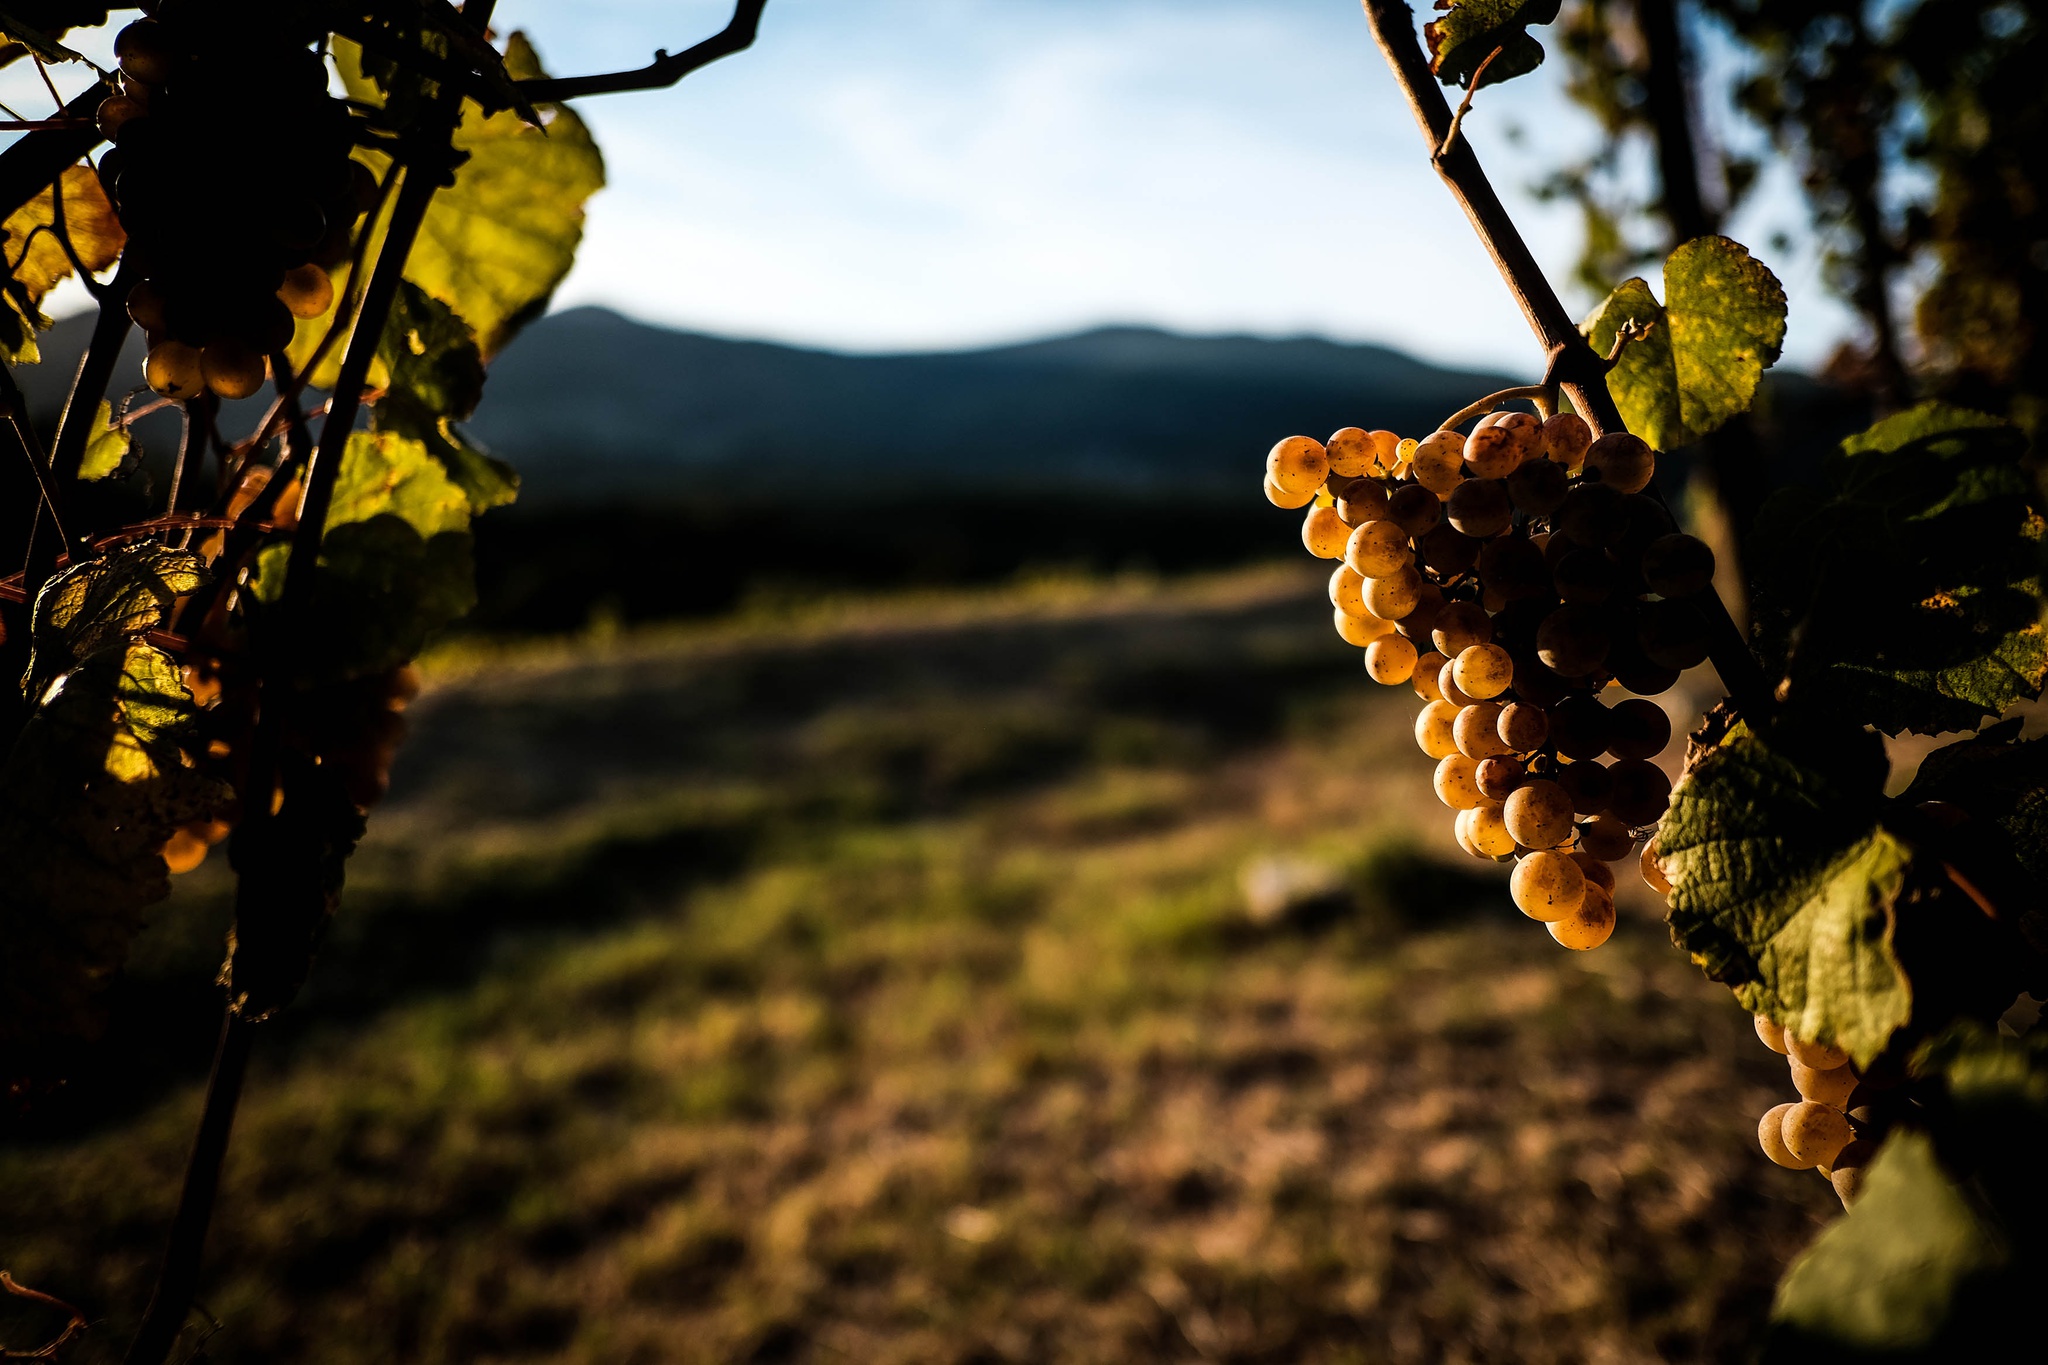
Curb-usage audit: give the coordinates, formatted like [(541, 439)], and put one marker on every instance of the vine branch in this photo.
[(1574, 365), (663, 71), (48, 1350)]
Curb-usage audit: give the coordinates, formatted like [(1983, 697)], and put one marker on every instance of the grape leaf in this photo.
[(99, 603), (95, 784), (1783, 885), (36, 258), (1995, 779), (395, 561), (436, 380), (1721, 325), (106, 448), (27, 25), (496, 243), (1470, 31), (1908, 587)]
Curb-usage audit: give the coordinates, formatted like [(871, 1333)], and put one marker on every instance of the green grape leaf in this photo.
[(395, 562), (1470, 31), (95, 784), (496, 243), (1721, 325), (99, 603), (1908, 587), (1783, 886), (36, 258), (1884, 1278), (436, 379), (106, 449)]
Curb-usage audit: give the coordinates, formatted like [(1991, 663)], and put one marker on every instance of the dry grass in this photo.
[(956, 1044)]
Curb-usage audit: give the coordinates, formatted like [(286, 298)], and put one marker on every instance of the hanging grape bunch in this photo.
[(220, 105), (1513, 577)]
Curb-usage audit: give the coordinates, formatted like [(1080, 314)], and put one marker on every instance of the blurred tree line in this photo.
[(1919, 131)]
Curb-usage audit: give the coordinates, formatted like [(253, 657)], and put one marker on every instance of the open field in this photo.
[(877, 985)]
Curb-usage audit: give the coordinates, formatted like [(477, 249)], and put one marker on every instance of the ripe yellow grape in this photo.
[(1484, 671), (1654, 874), (1771, 1035), (307, 291), (1298, 464), (1851, 1164), (1831, 1087), (1324, 533), (1387, 445), (1770, 1135), (1447, 685), (173, 369), (1565, 438), (1377, 549), (1350, 452), (1438, 463), (1390, 659), (1477, 731), (1815, 1134), (1426, 668), (231, 369), (1395, 595), (1819, 1056), (1547, 886), (1608, 839), (1524, 727), (1280, 497), (1493, 451), (1489, 833), (184, 851), (1347, 591), (1597, 873), (1461, 626), (1480, 508), (1457, 783), (1539, 812), (1363, 501), (1461, 830), (1622, 461), (1359, 630), (1588, 926), (1418, 624), (1434, 729)]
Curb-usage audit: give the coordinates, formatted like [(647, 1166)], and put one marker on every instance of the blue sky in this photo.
[(890, 174)]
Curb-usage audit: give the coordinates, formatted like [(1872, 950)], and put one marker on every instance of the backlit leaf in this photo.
[(106, 448), (36, 258), (436, 378), (103, 602), (1471, 30)]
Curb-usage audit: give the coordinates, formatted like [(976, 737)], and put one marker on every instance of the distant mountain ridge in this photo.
[(591, 406)]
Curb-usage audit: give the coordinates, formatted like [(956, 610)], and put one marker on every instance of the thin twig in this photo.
[(1465, 105), (1573, 364), (74, 429), (48, 1350), (664, 71), (32, 450)]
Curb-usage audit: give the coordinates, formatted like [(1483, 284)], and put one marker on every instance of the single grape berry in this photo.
[(1324, 534), (1377, 549), (1536, 684), (1831, 1088), (1621, 461), (232, 369), (145, 52), (1280, 497), (1815, 1134), (1457, 783), (1434, 733), (146, 306), (1820, 1056), (1583, 575), (1677, 565), (1579, 727), (1351, 452), (1480, 508), (1640, 729), (173, 369), (1298, 463), (1574, 639), (1461, 830), (1447, 683), (1364, 501), (1637, 674), (1347, 591), (1493, 451), (307, 291), (1500, 775), (1483, 671), (1641, 792), (1672, 634), (1660, 882), (1540, 814), (1359, 630), (1438, 463), (1596, 872), (1524, 727), (1768, 1031), (1590, 925), (1394, 596), (1606, 838), (1419, 624), (1539, 486), (1427, 667), (1390, 660), (1460, 626), (1513, 568), (1415, 509), (1850, 1166), (1489, 833), (1477, 731), (1592, 515), (1565, 439), (1588, 785), (1770, 1135), (1547, 886)]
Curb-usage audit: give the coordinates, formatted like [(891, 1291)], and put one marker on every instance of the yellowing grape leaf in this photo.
[(36, 259), (100, 603), (1721, 325), (106, 447), (1911, 577), (436, 379), (1471, 30), (496, 243), (1783, 886), (387, 475)]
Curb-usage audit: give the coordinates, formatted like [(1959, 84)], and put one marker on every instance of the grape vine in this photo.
[(214, 642)]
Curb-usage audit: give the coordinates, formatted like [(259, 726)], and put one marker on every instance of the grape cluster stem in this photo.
[(1576, 367)]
